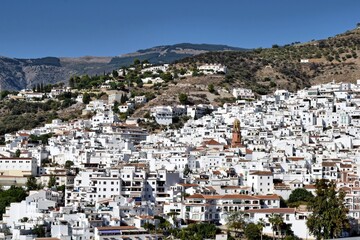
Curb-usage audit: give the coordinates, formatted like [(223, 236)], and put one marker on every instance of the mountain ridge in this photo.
[(18, 73)]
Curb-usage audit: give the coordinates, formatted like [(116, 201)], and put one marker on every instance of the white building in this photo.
[(212, 69), (243, 93), (163, 115), (18, 166)]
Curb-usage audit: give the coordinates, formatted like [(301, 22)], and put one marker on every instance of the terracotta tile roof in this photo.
[(344, 188), (272, 210), (328, 164), (212, 142), (295, 158), (310, 186), (248, 151), (47, 238), (230, 187), (23, 134), (117, 228), (15, 159), (345, 165), (196, 196), (262, 173), (188, 185), (273, 197), (234, 196)]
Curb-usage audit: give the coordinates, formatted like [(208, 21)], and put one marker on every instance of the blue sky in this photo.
[(39, 28)]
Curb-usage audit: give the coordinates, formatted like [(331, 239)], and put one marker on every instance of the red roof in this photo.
[(188, 185), (212, 142), (262, 173), (235, 196), (248, 151), (272, 210), (117, 228)]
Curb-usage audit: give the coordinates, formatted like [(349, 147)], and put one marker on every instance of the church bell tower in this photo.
[(236, 134)]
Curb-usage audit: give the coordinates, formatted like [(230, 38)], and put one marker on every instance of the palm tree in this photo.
[(261, 225), (272, 222), (276, 221)]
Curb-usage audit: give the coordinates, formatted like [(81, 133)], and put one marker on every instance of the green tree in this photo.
[(166, 76), (148, 226), (39, 231), (300, 195), (13, 194), (187, 170), (52, 181), (136, 62), (211, 88), (235, 221), (329, 213), (115, 107), (123, 98), (147, 115), (183, 98), (17, 153), (115, 73), (3, 94), (164, 224), (196, 231), (72, 82), (31, 184), (69, 164), (252, 231), (86, 98)]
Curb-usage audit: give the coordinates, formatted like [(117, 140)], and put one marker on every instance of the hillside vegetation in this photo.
[(264, 70)]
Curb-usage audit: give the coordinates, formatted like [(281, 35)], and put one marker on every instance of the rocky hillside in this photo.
[(291, 66), (16, 74)]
